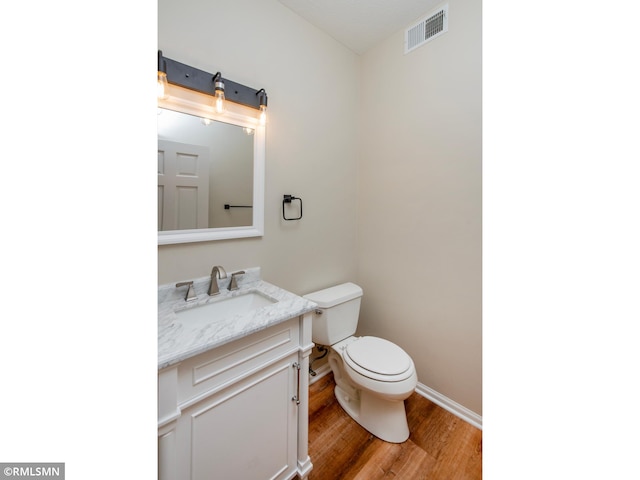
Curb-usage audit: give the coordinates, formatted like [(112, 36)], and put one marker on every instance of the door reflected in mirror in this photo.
[(205, 173)]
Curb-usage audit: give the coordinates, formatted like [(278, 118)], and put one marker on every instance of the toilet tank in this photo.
[(337, 315)]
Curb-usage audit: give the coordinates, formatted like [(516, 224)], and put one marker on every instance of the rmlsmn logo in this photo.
[(18, 471)]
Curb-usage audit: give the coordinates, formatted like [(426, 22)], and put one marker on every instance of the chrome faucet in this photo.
[(234, 283), (216, 272)]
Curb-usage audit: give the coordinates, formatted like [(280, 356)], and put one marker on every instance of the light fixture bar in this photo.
[(203, 82)]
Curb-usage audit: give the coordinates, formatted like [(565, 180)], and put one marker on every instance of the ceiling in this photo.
[(361, 24)]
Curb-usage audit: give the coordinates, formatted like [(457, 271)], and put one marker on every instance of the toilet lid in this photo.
[(378, 358)]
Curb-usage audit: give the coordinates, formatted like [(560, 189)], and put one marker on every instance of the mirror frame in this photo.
[(201, 105)]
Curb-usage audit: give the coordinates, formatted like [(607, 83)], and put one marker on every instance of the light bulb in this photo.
[(262, 98), (219, 102), (163, 85), (263, 115)]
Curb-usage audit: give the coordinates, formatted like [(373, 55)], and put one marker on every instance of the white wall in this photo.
[(391, 186), (420, 204), (311, 141)]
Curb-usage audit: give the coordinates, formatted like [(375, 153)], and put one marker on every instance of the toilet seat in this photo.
[(378, 359)]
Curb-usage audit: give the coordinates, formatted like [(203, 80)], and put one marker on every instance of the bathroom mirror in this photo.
[(210, 170)]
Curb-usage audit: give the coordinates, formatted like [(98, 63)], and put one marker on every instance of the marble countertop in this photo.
[(181, 339)]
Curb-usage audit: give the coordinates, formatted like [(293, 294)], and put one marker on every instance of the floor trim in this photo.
[(449, 405), (320, 372)]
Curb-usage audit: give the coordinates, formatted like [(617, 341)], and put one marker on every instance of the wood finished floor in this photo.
[(441, 446)]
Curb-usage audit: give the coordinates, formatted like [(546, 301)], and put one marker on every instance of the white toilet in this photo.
[(373, 376)]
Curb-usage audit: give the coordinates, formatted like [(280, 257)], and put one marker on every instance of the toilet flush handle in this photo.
[(318, 311)]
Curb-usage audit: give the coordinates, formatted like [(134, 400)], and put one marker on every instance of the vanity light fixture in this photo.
[(162, 78), (262, 98), (219, 102), (223, 89)]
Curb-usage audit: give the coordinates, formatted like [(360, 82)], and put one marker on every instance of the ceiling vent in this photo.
[(426, 29)]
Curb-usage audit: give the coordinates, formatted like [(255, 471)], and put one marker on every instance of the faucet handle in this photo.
[(191, 294), (234, 283)]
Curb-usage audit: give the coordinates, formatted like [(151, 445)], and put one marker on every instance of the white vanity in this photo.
[(232, 382)]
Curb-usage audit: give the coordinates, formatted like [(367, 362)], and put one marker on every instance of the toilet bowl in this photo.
[(373, 398), (373, 376)]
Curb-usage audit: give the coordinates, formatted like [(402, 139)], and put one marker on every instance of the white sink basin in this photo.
[(225, 308)]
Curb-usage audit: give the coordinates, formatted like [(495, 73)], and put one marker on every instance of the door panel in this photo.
[(183, 186)]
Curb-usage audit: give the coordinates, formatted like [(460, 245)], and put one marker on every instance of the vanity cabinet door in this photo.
[(244, 432)]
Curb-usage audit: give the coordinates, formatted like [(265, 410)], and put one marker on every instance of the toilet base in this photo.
[(386, 419)]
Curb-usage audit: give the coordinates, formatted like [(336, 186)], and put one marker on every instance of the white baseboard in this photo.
[(320, 372), (449, 405)]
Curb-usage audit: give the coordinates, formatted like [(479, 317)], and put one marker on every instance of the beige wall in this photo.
[(311, 139), (391, 186), (419, 222)]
